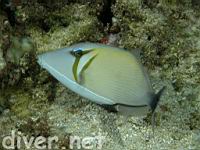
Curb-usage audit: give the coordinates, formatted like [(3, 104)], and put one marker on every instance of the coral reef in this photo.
[(166, 31)]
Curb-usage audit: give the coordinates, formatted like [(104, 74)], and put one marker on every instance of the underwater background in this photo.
[(33, 103)]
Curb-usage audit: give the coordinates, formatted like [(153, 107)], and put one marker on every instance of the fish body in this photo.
[(111, 77)]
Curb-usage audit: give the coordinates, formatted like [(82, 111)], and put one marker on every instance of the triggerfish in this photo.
[(111, 77)]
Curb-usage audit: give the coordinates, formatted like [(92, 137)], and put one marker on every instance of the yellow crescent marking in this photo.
[(85, 67), (75, 65), (74, 69)]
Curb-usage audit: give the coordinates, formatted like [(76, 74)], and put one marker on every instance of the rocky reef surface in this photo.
[(32, 103)]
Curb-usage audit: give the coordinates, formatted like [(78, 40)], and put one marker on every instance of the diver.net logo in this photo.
[(18, 141)]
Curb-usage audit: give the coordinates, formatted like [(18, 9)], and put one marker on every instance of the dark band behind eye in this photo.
[(77, 52)]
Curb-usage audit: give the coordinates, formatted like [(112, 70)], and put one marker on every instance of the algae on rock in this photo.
[(2, 61), (82, 26), (167, 32)]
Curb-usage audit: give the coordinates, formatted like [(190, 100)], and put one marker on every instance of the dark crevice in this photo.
[(8, 7), (106, 14), (150, 3), (45, 26), (196, 4)]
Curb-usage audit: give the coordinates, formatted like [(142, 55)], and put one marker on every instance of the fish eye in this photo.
[(78, 52)]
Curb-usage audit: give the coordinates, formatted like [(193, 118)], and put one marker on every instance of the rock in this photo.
[(2, 61)]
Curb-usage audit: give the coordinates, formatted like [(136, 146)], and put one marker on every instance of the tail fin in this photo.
[(156, 99), (154, 104)]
